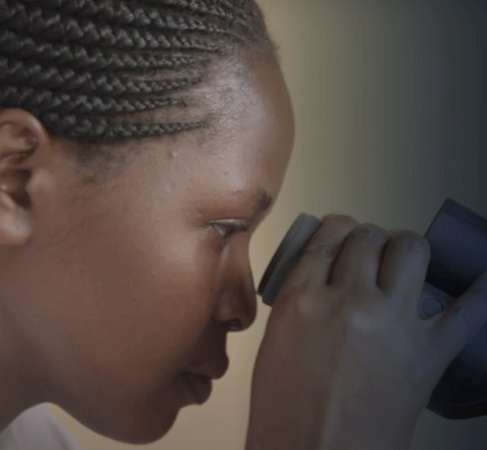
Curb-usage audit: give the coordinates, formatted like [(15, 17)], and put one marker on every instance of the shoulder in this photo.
[(37, 429)]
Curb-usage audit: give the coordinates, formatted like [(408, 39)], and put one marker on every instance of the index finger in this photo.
[(314, 266)]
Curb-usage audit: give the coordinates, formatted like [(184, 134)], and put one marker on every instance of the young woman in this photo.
[(141, 144)]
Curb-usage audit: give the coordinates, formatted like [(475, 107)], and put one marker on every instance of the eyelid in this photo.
[(232, 225)]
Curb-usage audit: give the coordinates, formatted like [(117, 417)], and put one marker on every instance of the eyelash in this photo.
[(229, 229)]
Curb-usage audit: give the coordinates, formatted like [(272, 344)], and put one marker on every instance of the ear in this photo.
[(21, 136)]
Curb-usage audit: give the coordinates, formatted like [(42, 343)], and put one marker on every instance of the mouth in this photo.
[(198, 386)]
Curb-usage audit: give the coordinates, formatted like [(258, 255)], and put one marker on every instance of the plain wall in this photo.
[(389, 121)]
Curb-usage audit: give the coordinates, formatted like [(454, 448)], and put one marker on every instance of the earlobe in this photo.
[(21, 134), (15, 229)]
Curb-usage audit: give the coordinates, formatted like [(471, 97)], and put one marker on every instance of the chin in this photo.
[(132, 428), (136, 422), (145, 432)]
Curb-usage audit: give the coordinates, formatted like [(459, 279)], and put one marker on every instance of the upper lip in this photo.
[(211, 369)]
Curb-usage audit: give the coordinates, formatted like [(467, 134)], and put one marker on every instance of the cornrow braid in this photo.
[(199, 6), (89, 58), (242, 13), (44, 100), (33, 74), (114, 10), (106, 130), (135, 15), (80, 65), (52, 25)]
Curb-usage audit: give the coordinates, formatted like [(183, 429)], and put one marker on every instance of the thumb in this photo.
[(461, 321)]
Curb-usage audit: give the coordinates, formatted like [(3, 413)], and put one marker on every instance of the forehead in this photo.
[(250, 116), (246, 146)]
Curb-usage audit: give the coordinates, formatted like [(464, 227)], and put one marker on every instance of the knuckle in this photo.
[(307, 308), (341, 218), (361, 318), (369, 231), (412, 241), (323, 249)]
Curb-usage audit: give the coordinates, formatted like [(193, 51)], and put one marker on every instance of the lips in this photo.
[(197, 378), (199, 386), (211, 369)]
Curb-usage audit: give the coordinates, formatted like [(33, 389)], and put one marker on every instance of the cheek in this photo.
[(187, 277), (138, 298), (174, 275), (130, 295)]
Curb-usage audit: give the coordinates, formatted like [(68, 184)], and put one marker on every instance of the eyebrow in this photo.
[(259, 198)]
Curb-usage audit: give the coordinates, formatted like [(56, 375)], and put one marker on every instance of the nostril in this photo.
[(234, 325)]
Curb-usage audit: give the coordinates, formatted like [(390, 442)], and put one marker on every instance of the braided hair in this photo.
[(80, 65)]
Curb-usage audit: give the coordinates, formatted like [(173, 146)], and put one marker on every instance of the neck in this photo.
[(20, 377)]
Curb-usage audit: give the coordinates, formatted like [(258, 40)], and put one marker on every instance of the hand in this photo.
[(346, 363)]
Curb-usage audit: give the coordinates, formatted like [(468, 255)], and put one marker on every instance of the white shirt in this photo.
[(37, 429)]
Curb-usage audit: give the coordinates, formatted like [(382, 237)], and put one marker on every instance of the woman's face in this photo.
[(141, 278)]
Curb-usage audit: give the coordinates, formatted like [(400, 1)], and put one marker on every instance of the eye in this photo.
[(226, 229)]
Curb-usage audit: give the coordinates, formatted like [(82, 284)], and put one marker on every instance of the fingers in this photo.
[(459, 323), (404, 265), (314, 265), (362, 257), (358, 264)]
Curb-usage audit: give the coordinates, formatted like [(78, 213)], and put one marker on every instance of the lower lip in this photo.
[(199, 387)]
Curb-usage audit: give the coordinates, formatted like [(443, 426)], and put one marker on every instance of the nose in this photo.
[(237, 305)]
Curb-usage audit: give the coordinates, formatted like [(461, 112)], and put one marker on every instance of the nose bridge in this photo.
[(237, 305)]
